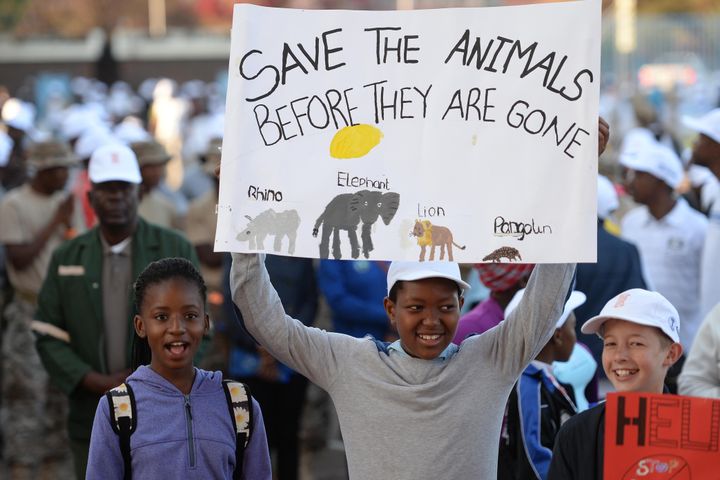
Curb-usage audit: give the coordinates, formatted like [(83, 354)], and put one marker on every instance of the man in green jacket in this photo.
[(85, 305)]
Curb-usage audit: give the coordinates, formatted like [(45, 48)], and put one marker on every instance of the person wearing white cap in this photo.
[(706, 153), (618, 268), (641, 334), (539, 403), (154, 206), (668, 233), (422, 392), (19, 117), (85, 299), (36, 218)]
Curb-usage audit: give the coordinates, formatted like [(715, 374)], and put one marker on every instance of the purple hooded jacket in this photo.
[(169, 443)]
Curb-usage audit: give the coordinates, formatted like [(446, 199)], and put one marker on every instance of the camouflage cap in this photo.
[(150, 153), (53, 153)]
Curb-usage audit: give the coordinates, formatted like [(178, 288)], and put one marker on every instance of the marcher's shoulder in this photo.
[(579, 425), (166, 235), (634, 216), (13, 197), (697, 219), (73, 247), (624, 248)]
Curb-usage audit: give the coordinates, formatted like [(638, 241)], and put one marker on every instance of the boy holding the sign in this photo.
[(640, 331), (403, 407)]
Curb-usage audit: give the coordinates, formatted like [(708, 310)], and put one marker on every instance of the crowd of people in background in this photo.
[(97, 185)]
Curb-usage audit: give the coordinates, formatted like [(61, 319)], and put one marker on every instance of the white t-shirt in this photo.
[(710, 283), (670, 251)]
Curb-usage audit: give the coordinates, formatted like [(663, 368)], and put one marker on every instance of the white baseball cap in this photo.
[(636, 139), (18, 114), (657, 160), (638, 306), (607, 197), (708, 124), (400, 271), (114, 162), (576, 299), (76, 121), (131, 130)]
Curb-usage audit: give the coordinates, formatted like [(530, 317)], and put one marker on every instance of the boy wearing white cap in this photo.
[(640, 330), (668, 233), (706, 153), (409, 410), (539, 404)]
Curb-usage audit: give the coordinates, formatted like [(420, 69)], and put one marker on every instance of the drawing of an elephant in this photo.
[(280, 224), (346, 211)]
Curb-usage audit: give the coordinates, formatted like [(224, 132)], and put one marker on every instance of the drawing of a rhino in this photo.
[(280, 224)]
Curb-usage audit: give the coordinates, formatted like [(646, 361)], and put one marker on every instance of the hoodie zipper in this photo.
[(188, 423)]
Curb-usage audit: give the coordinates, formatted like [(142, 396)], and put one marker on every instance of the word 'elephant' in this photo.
[(345, 211), (270, 222)]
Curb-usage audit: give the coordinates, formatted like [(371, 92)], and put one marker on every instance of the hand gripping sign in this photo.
[(453, 134)]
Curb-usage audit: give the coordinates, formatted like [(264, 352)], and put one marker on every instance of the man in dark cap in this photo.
[(35, 217), (154, 207)]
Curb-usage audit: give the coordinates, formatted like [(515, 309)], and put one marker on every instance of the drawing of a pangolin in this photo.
[(510, 253)]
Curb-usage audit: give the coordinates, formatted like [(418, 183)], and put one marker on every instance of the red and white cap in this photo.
[(114, 163), (638, 306)]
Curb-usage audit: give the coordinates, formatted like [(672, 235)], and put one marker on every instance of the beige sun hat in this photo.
[(150, 153), (50, 154), (212, 156)]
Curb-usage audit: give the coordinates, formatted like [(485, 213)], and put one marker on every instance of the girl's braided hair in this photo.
[(155, 273)]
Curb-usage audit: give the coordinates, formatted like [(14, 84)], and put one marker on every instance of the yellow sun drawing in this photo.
[(355, 141)]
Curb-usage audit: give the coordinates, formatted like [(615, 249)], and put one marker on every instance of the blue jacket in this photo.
[(169, 443), (355, 291), (536, 409)]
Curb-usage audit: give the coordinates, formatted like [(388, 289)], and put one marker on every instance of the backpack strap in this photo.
[(239, 403), (123, 420)]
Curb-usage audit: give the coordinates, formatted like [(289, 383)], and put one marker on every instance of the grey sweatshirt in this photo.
[(403, 417)]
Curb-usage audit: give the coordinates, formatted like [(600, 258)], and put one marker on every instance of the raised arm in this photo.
[(308, 350), (521, 336)]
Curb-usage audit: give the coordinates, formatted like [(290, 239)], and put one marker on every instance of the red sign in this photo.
[(661, 437)]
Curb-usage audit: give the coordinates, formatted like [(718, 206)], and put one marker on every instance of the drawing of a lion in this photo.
[(429, 235)]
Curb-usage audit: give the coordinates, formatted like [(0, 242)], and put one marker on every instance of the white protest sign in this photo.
[(462, 134)]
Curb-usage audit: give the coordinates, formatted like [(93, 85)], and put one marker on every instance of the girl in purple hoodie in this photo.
[(183, 424)]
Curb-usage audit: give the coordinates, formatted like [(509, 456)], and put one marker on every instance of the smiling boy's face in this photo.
[(172, 318), (637, 357), (425, 314)]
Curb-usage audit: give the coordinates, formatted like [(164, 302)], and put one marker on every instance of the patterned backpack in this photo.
[(123, 419)]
